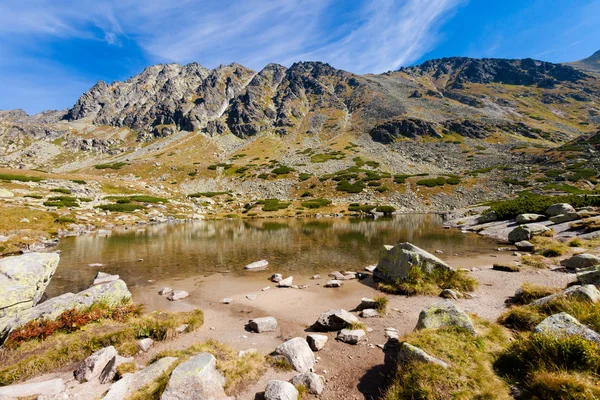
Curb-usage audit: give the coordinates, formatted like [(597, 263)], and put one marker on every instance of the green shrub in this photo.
[(345, 186), (121, 207), (272, 205), (316, 203), (537, 204), (213, 167), (432, 182), (34, 196), (65, 220), (387, 210), (303, 176), (282, 170), (61, 190), (208, 194), (115, 165), (20, 178), (61, 201), (79, 181)]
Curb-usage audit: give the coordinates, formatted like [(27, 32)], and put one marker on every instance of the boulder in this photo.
[(102, 277), (580, 261), (111, 293), (132, 382), (92, 366), (527, 218), (365, 303), (264, 324), (23, 280), (297, 352), (524, 245), (369, 313), (334, 320), (590, 276), (178, 295), (558, 209), (562, 325), (408, 353), (145, 344), (487, 217), (351, 336), (333, 283), (561, 218), (52, 387), (311, 381), (444, 314), (276, 278), (196, 378), (257, 265), (587, 293), (109, 372), (526, 232), (316, 342), (287, 282), (396, 262), (280, 390)]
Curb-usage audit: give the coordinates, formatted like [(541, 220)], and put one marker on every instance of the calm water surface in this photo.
[(302, 246)]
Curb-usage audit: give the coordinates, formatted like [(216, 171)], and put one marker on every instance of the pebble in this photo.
[(227, 300), (266, 288), (251, 296)]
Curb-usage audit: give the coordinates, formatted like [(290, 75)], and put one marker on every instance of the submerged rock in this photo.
[(297, 352), (196, 378), (178, 295), (102, 277), (396, 262), (563, 324), (334, 320), (444, 314), (23, 280)]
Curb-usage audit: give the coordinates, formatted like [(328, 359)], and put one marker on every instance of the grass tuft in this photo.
[(418, 282)]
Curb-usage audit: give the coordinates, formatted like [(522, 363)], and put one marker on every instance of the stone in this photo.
[(109, 372), (166, 291), (366, 302), (487, 217), (145, 344), (560, 208), (298, 353), (563, 324), (590, 275), (92, 366), (251, 297), (132, 382), (227, 300), (351, 336), (280, 390), (450, 294), (334, 320), (52, 387), (264, 324), (178, 295), (111, 293), (257, 265), (23, 280), (580, 261), (276, 278), (334, 283), (311, 381), (391, 333), (5, 194), (587, 293), (396, 262), (527, 218), (316, 341), (196, 378), (287, 282), (526, 232), (524, 245), (337, 275), (102, 277), (182, 328), (370, 268), (408, 353), (444, 314), (561, 218), (315, 277), (369, 313)]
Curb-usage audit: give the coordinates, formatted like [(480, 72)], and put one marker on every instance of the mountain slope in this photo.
[(589, 64)]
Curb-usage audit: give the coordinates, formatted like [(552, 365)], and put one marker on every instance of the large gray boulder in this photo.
[(526, 232), (408, 353), (528, 218), (334, 320), (311, 381), (131, 383), (92, 366), (580, 261), (560, 208), (52, 387), (487, 217), (197, 378), (298, 353), (563, 325), (561, 218), (111, 293), (587, 293), (280, 390), (590, 276), (395, 262), (23, 280), (444, 314), (264, 324)]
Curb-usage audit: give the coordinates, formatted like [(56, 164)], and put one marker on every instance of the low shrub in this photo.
[(537, 204), (387, 210), (316, 203), (346, 186), (529, 292), (208, 194), (20, 178), (128, 207), (506, 267), (115, 165), (304, 176), (282, 170), (79, 181), (61, 190), (65, 220), (272, 205)]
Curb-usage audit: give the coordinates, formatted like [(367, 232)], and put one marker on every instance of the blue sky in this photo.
[(51, 51)]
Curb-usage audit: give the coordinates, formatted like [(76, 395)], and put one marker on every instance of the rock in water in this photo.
[(257, 265), (131, 383), (311, 381), (396, 262), (408, 353), (444, 314), (23, 280), (334, 320), (526, 232), (92, 366), (49, 388), (563, 324), (560, 208), (579, 261), (197, 378), (297, 352), (316, 342), (351, 336), (280, 390), (265, 324)]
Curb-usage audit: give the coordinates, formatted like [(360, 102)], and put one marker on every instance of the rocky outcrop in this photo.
[(395, 262), (197, 377), (389, 131), (23, 280), (445, 314), (297, 352)]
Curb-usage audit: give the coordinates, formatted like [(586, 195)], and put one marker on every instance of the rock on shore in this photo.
[(395, 262)]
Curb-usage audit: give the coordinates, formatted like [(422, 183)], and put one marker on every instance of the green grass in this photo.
[(418, 282), (323, 157), (282, 170), (140, 198), (506, 267), (537, 204), (381, 303), (439, 181), (213, 167), (304, 176), (61, 201), (65, 220), (79, 181), (209, 194), (34, 196), (20, 178), (316, 203), (273, 205), (115, 165), (61, 190), (530, 292), (127, 207)]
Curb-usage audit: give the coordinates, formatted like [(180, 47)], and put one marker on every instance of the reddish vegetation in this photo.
[(69, 321)]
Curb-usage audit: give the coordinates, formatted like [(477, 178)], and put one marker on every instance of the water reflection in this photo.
[(204, 247)]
